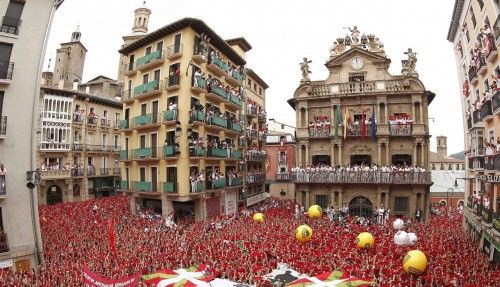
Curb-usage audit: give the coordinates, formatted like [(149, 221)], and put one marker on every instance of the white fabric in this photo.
[(184, 274), (398, 224), (401, 238)]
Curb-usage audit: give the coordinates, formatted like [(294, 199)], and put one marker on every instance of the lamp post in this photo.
[(455, 185)]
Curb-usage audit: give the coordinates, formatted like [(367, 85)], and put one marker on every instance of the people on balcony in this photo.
[(320, 126), (232, 175), (487, 40), (198, 77), (255, 175), (253, 108), (400, 124), (172, 106), (212, 176), (195, 178), (360, 173), (255, 153)]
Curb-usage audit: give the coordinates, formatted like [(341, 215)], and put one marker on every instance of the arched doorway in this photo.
[(54, 194), (360, 206)]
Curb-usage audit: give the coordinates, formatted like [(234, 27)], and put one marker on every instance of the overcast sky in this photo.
[(281, 33)]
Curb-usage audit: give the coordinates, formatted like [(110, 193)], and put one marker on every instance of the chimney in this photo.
[(60, 86), (75, 86)]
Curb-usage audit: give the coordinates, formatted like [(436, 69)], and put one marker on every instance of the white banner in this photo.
[(226, 283), (230, 202), (255, 199), (5, 264)]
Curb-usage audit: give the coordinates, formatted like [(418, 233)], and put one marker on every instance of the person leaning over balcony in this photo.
[(194, 180), (197, 77)]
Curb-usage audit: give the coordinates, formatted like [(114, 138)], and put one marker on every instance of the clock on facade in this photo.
[(357, 63)]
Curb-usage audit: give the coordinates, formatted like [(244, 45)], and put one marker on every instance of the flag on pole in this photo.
[(338, 121), (363, 124), (346, 120), (373, 124)]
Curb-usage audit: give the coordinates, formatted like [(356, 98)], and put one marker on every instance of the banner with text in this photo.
[(91, 279), (231, 202)]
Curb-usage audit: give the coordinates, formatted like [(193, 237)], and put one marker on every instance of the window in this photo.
[(463, 166), (104, 140), (249, 83), (159, 46), (254, 87), (282, 169), (433, 166), (322, 200), (177, 44), (260, 91), (472, 17), (356, 78), (148, 50), (117, 141), (6, 66), (145, 78), (12, 19), (442, 166), (457, 166), (401, 204), (131, 61), (467, 36), (105, 114), (174, 74), (450, 166)]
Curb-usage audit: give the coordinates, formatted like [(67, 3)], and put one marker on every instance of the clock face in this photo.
[(357, 63)]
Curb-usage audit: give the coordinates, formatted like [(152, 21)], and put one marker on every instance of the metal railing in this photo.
[(156, 55), (55, 174), (170, 115), (321, 89), (492, 162), (319, 132), (173, 81), (217, 184), (54, 146), (77, 172), (495, 101), (256, 178), (3, 126), (78, 118), (256, 156), (174, 49), (104, 171), (282, 158), (145, 120), (105, 123), (6, 70), (400, 129), (372, 177), (214, 120), (485, 110), (10, 25), (233, 181), (357, 87), (169, 187), (283, 176), (197, 116), (92, 120), (4, 242), (196, 151)]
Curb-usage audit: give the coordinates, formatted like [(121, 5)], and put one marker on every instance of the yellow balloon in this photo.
[(415, 262), (303, 233), (365, 240), (314, 211), (258, 217)]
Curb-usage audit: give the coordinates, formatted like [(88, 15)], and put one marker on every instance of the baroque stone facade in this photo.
[(365, 129)]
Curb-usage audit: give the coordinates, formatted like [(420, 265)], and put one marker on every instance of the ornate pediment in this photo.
[(339, 60)]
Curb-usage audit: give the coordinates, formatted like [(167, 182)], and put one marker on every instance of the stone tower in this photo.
[(442, 148), (139, 30), (70, 59)]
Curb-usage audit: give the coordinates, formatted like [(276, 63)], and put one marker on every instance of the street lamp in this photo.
[(455, 185)]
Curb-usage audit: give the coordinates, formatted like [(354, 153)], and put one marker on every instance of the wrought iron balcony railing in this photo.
[(10, 25), (6, 70), (369, 177)]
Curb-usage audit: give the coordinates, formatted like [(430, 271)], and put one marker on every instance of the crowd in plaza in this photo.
[(359, 173), (74, 234)]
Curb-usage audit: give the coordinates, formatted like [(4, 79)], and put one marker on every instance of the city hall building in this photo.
[(361, 115)]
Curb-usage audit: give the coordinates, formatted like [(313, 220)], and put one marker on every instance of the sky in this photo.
[(281, 34)]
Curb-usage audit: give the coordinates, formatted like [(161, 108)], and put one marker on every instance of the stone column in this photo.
[(420, 110), (387, 153), (386, 203), (340, 153), (413, 110), (341, 199), (69, 184), (414, 154), (307, 154), (379, 153)]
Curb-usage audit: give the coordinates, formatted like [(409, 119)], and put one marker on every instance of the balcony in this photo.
[(400, 130), (476, 162), (169, 187), (142, 186), (213, 120), (256, 178), (262, 136), (490, 49), (485, 110), (78, 119), (282, 158), (174, 51), (476, 117), (123, 124), (196, 151), (170, 116), (169, 151), (236, 127), (262, 117), (78, 147), (6, 70), (151, 60), (92, 120), (197, 117), (3, 186), (492, 162), (104, 171), (216, 93), (217, 66), (472, 75), (252, 112), (146, 121), (319, 133), (124, 155), (369, 177), (357, 87), (77, 172), (234, 181), (481, 64), (143, 91), (91, 170), (145, 153), (234, 102), (116, 171), (172, 83), (129, 69), (283, 176), (4, 242), (235, 153), (200, 186), (487, 214), (3, 127), (218, 184), (55, 174), (199, 85), (252, 134), (124, 185), (257, 155), (105, 123), (495, 102), (217, 152), (53, 146), (10, 25)]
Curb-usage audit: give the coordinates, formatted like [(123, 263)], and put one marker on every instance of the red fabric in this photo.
[(363, 125)]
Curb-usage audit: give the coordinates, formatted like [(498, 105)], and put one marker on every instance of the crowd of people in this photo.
[(360, 173), (235, 247), (254, 153), (227, 90), (255, 175), (400, 124), (320, 126)]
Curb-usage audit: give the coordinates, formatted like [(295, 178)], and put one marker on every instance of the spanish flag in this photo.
[(346, 121), (154, 278)]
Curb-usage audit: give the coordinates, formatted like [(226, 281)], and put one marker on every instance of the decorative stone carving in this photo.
[(304, 67), (409, 65)]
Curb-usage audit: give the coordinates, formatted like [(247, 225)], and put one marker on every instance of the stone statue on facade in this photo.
[(354, 35), (409, 65), (374, 44), (337, 48), (304, 67)]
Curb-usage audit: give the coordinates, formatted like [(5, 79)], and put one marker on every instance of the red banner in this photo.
[(91, 279)]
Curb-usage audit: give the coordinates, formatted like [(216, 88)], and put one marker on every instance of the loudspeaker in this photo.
[(30, 185)]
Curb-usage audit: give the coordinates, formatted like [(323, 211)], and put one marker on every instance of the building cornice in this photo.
[(455, 20), (82, 96)]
